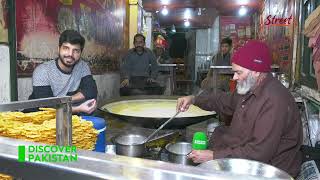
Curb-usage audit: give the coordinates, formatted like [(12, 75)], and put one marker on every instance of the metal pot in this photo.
[(133, 144), (178, 153), (130, 145)]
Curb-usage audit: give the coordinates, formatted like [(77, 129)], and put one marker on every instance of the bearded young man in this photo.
[(67, 75), (266, 124)]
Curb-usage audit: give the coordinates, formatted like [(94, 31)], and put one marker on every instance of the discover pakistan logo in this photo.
[(47, 153)]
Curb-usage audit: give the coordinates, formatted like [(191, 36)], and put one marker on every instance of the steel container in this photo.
[(245, 167), (130, 145), (178, 153)]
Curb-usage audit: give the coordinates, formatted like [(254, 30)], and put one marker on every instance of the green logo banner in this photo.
[(21, 153), (47, 153)]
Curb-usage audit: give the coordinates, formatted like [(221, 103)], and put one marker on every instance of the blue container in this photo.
[(100, 125)]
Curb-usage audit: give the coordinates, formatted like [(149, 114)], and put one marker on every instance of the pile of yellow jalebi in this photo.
[(41, 127), (5, 177)]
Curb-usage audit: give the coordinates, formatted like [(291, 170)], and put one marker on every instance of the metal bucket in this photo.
[(246, 167), (130, 145), (178, 153)]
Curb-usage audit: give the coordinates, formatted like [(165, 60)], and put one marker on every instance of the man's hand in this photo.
[(184, 103), (87, 107), (150, 80), (124, 83), (77, 97), (200, 156)]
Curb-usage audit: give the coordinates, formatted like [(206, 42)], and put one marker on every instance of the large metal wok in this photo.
[(162, 108)]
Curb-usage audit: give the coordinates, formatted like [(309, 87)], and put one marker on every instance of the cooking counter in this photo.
[(93, 165)]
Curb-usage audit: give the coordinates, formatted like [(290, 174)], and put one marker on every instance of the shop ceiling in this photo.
[(202, 12)]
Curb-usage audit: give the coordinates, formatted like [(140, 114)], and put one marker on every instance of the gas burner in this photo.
[(153, 154)]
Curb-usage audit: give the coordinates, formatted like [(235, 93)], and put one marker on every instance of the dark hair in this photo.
[(72, 37), (226, 41), (139, 35)]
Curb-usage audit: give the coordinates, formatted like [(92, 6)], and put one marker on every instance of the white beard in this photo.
[(243, 87)]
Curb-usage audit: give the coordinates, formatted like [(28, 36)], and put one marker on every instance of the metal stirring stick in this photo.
[(151, 135)]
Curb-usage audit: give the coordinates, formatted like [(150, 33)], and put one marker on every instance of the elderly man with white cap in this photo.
[(266, 123)]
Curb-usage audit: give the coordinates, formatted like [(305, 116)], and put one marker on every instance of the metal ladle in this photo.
[(156, 131)]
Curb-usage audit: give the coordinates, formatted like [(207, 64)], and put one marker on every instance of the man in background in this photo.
[(139, 70), (220, 59), (160, 51), (220, 81), (166, 73)]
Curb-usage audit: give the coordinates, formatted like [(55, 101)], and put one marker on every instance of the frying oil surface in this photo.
[(153, 108)]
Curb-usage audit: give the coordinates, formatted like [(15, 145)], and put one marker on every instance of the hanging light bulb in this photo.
[(243, 2), (164, 11), (165, 2), (243, 11), (187, 14), (187, 23)]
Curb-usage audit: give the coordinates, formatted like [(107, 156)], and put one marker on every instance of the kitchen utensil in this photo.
[(178, 153), (110, 149), (153, 120), (156, 131), (163, 140), (132, 144), (245, 167)]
